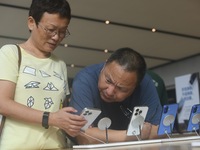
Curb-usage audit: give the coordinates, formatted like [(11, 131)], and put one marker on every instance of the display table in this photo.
[(177, 142)]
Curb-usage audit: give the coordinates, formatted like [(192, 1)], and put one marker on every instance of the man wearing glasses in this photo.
[(116, 87), (32, 94)]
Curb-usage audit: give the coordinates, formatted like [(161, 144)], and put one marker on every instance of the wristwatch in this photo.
[(45, 120)]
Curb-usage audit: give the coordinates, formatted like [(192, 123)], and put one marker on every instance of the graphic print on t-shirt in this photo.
[(50, 87), (48, 101), (30, 101), (57, 75), (44, 74), (32, 84), (30, 71)]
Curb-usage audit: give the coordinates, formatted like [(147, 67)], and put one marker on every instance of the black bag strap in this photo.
[(19, 56), (19, 64), (2, 124)]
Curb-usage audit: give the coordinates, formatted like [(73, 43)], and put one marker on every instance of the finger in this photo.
[(76, 117), (80, 123), (69, 109), (73, 131)]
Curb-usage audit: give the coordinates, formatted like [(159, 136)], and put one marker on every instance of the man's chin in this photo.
[(107, 99)]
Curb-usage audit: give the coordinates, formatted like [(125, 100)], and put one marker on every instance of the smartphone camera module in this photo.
[(165, 109)]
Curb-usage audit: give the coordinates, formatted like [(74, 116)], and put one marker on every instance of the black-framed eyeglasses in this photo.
[(126, 111), (53, 32)]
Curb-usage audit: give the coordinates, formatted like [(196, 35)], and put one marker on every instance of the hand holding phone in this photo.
[(90, 114)]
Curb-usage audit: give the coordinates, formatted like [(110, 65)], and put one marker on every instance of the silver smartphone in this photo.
[(137, 120), (90, 114)]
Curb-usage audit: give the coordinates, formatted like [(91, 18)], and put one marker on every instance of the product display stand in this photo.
[(136, 129), (168, 122), (138, 136), (104, 124), (196, 120)]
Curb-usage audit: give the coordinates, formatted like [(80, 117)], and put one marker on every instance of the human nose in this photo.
[(111, 90), (56, 36)]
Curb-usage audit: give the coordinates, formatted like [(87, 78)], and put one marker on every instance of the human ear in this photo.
[(31, 23)]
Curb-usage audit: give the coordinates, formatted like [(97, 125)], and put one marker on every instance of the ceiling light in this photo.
[(106, 51), (72, 65), (107, 22), (153, 30)]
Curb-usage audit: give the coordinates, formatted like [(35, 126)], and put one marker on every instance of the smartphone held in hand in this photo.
[(90, 114)]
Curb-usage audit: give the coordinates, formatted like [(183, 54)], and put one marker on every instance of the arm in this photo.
[(63, 118), (148, 132), (113, 136), (154, 135)]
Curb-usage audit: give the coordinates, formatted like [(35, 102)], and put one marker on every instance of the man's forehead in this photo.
[(120, 77)]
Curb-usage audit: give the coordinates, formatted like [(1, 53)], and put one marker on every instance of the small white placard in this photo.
[(187, 94)]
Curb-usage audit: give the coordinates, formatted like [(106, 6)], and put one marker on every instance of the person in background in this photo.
[(160, 87), (31, 98), (116, 87)]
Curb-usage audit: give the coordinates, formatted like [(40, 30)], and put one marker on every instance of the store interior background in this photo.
[(166, 33)]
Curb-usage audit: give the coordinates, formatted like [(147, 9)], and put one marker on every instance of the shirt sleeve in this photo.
[(9, 63), (82, 92)]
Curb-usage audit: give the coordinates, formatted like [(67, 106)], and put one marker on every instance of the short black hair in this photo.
[(130, 60), (39, 7)]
